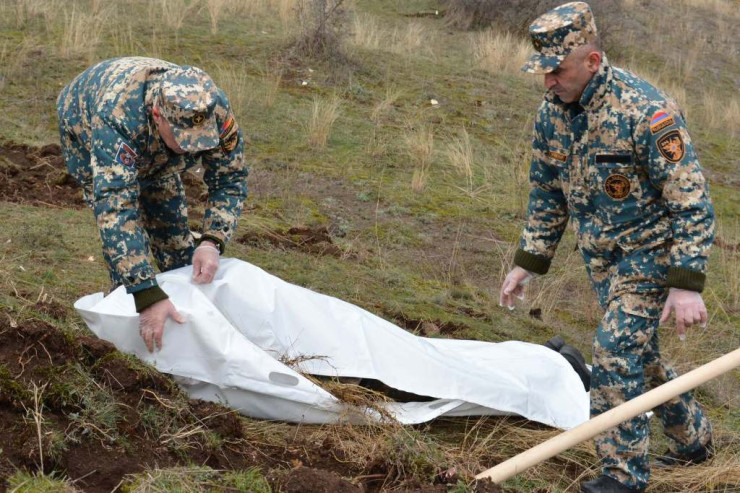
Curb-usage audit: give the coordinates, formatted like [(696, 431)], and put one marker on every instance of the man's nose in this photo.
[(549, 81)]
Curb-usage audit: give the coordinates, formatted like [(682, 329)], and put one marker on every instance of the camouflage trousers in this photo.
[(162, 211), (626, 363)]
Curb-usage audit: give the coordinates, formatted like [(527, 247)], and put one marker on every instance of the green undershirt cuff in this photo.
[(217, 241), (531, 262), (147, 297), (681, 278)]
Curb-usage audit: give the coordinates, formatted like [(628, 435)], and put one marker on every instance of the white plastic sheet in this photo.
[(239, 328)]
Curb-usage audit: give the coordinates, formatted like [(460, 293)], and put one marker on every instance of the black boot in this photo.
[(606, 484), (700, 455), (555, 343), (576, 360)]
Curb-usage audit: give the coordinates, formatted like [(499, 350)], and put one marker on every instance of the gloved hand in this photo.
[(151, 322), (513, 286), (205, 262), (689, 308)]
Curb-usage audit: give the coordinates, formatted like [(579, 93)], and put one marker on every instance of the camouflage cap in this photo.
[(556, 33), (187, 100)]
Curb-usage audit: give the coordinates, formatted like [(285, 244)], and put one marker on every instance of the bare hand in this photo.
[(205, 262), (151, 322), (689, 308), (513, 286)]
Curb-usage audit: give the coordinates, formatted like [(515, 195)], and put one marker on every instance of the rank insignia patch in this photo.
[(125, 155), (557, 155), (671, 146), (660, 121), (617, 186)]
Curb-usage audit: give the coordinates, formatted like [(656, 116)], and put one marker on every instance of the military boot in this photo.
[(606, 484), (698, 456)]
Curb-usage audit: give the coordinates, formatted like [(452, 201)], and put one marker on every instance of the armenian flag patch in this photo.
[(125, 155), (660, 121), (229, 135)]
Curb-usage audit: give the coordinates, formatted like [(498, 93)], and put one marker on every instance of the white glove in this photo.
[(205, 262), (514, 286)]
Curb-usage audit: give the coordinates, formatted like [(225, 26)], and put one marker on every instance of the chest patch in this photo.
[(671, 146), (617, 186), (125, 155), (660, 121)]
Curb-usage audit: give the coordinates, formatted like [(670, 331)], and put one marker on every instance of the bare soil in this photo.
[(37, 176)]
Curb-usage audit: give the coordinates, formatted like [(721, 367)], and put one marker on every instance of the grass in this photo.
[(430, 198)]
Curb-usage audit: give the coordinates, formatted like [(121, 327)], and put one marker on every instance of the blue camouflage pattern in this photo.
[(620, 165), (131, 179), (558, 32)]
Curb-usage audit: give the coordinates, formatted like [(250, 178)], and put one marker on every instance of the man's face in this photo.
[(570, 78), (165, 131)]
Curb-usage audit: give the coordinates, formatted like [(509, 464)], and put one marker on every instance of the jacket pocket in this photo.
[(617, 193)]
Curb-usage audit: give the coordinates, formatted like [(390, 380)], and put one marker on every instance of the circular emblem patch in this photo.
[(537, 44), (617, 186), (199, 118)]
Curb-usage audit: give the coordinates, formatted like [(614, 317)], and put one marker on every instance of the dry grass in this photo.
[(384, 106), (459, 152), (236, 84), (323, 115), (83, 31), (411, 39), (366, 31), (420, 148), (174, 12), (500, 52), (215, 8)]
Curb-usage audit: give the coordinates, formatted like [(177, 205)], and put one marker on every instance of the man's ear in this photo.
[(593, 60)]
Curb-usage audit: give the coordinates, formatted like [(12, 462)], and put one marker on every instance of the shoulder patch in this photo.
[(661, 120), (229, 135), (125, 155), (671, 146)]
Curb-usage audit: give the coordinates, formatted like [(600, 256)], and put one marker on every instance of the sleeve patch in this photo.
[(229, 135), (671, 146), (661, 120), (125, 155)]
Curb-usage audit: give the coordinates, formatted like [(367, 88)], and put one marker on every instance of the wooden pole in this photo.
[(612, 418)]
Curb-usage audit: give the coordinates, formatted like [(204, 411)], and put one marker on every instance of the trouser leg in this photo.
[(164, 215), (618, 376), (684, 423)]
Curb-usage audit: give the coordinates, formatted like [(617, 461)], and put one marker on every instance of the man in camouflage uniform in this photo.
[(612, 153), (129, 127)]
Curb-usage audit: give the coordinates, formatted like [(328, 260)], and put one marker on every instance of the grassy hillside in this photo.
[(410, 146)]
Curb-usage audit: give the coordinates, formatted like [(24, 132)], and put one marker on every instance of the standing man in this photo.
[(612, 153), (129, 127)]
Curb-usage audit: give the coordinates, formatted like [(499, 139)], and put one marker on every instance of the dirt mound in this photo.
[(314, 240), (37, 175)]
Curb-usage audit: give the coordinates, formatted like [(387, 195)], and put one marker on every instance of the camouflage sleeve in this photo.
[(675, 170), (115, 204), (226, 177), (547, 214)]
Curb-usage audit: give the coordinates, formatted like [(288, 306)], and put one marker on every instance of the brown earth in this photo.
[(38, 176)]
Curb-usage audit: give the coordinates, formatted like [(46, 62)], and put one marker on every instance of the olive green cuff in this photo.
[(217, 241), (147, 297), (682, 278), (531, 262)]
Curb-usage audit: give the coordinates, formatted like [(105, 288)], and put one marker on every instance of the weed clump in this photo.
[(322, 31)]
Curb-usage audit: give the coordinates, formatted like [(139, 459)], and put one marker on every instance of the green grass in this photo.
[(436, 255)]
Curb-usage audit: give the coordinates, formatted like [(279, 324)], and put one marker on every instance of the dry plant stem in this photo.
[(612, 418)]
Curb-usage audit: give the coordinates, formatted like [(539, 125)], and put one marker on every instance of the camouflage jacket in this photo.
[(620, 164), (107, 110)]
